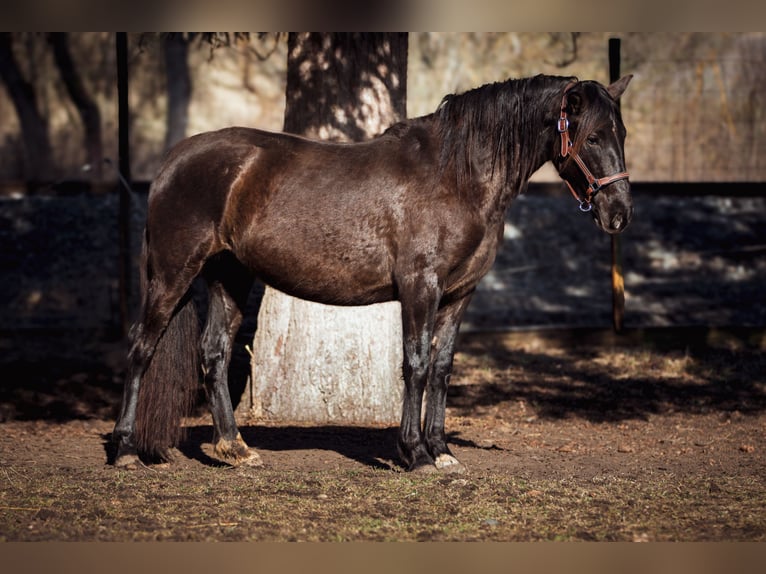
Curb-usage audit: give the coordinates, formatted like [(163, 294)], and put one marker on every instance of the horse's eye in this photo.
[(592, 139)]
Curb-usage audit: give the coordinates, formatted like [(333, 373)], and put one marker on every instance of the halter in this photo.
[(594, 184)]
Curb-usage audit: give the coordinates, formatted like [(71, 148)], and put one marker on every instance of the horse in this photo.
[(415, 214)]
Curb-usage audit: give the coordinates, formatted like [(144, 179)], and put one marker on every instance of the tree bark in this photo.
[(320, 363), (179, 88), (38, 165), (86, 106)]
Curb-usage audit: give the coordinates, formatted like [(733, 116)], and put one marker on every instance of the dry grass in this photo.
[(226, 504)]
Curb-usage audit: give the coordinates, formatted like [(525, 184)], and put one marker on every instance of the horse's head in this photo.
[(590, 154)]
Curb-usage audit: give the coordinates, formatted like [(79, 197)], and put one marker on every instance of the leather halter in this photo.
[(594, 184)]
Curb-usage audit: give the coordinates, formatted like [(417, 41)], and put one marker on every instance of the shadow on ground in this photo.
[(600, 384), (373, 447), (558, 380)]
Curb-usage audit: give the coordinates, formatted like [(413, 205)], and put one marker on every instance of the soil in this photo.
[(563, 440)]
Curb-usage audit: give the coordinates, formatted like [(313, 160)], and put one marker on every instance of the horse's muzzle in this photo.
[(613, 213)]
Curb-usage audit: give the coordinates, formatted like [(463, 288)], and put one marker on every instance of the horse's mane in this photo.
[(496, 121)]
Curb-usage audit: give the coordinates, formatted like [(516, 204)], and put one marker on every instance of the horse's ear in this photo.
[(574, 102), (617, 88)]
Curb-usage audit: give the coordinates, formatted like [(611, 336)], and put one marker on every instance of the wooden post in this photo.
[(618, 284), (123, 169)]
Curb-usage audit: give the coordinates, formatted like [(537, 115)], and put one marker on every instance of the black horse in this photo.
[(414, 215)]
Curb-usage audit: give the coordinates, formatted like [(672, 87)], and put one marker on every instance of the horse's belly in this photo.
[(338, 279)]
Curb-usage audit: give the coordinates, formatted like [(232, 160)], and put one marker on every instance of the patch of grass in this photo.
[(220, 504)]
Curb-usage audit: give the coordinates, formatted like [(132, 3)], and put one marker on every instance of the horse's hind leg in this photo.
[(158, 310), (124, 429), (229, 286), (165, 287), (442, 353)]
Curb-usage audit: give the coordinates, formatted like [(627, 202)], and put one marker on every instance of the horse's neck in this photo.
[(539, 143), (534, 141), (532, 151)]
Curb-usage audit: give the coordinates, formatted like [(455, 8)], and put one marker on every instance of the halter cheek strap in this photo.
[(594, 184)]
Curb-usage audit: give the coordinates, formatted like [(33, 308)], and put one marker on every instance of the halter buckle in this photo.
[(563, 125)]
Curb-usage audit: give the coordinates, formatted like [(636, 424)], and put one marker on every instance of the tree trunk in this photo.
[(86, 106), (179, 88), (313, 362), (38, 165)]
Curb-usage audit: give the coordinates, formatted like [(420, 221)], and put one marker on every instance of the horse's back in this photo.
[(198, 173)]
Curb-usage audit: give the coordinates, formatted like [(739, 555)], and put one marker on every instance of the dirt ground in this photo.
[(575, 439)]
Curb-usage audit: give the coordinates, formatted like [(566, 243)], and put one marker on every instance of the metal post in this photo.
[(124, 259), (618, 284)]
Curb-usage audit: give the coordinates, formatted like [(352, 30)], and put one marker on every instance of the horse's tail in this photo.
[(169, 386)]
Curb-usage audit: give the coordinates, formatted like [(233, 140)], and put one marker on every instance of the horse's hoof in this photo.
[(449, 464), (424, 469), (127, 461), (237, 453), (253, 460)]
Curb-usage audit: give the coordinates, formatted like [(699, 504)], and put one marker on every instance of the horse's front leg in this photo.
[(442, 353), (224, 318), (419, 298)]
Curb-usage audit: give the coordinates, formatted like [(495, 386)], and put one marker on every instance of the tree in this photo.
[(86, 106), (321, 363), (176, 47), (38, 164)]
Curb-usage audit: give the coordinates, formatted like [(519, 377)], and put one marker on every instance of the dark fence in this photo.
[(694, 255)]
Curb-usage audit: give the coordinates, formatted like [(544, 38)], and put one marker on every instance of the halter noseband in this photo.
[(594, 184)]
